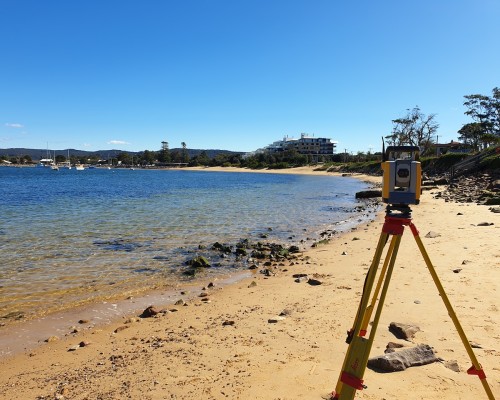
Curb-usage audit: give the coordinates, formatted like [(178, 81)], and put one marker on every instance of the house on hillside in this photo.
[(452, 147)]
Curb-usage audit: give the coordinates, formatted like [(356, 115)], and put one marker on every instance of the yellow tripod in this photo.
[(356, 359)]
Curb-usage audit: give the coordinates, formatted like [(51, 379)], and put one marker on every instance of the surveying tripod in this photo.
[(356, 359)]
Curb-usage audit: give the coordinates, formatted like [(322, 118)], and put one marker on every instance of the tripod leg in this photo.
[(351, 377), (383, 272), (358, 320), (367, 288), (359, 350), (476, 368)]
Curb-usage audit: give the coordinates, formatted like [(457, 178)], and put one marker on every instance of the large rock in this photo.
[(403, 331), (199, 262), (400, 360), (149, 312), (368, 194), (441, 181), (494, 185)]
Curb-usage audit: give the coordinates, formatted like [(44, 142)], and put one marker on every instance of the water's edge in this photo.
[(34, 328), (26, 335)]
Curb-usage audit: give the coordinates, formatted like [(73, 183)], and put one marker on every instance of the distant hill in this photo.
[(38, 154)]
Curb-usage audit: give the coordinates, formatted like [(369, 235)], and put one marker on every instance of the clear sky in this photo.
[(237, 74)]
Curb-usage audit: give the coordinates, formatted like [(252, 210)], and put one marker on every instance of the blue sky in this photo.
[(237, 74)]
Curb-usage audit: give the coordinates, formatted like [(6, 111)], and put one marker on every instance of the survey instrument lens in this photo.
[(403, 173)]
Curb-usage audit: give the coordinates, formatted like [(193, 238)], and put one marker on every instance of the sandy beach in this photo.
[(270, 337)]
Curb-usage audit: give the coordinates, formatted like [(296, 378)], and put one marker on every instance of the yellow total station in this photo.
[(401, 175)]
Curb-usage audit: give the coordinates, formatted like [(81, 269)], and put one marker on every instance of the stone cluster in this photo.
[(480, 189)]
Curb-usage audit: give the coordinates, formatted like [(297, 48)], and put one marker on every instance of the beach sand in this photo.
[(237, 346)]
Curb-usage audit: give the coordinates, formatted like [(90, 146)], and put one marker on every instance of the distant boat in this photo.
[(66, 164), (79, 167), (53, 165)]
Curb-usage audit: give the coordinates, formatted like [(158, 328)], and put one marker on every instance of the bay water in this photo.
[(72, 237)]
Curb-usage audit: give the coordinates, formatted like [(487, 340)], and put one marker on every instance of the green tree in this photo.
[(414, 129), (125, 158), (471, 133), (175, 156), (485, 110), (164, 153), (203, 158), (490, 139), (185, 153), (148, 157)]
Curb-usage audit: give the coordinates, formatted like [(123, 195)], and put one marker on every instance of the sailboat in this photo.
[(66, 164), (53, 165)]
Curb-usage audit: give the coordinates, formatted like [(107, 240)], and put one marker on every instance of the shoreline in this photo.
[(63, 309), (227, 348), (36, 328)]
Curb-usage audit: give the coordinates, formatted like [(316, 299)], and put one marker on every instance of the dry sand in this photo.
[(227, 348)]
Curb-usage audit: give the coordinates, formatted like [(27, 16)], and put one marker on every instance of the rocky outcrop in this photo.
[(369, 194), (480, 189)]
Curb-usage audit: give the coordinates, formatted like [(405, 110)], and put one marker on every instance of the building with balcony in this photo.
[(305, 145)]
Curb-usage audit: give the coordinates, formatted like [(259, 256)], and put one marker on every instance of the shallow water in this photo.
[(70, 237)]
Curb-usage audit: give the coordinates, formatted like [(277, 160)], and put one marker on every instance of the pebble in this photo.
[(121, 328), (453, 365), (485, 224), (432, 235), (275, 320)]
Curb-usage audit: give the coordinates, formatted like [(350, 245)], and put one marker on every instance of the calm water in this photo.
[(68, 236)]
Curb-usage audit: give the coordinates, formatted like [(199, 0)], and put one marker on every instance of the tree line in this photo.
[(414, 128), (418, 129)]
